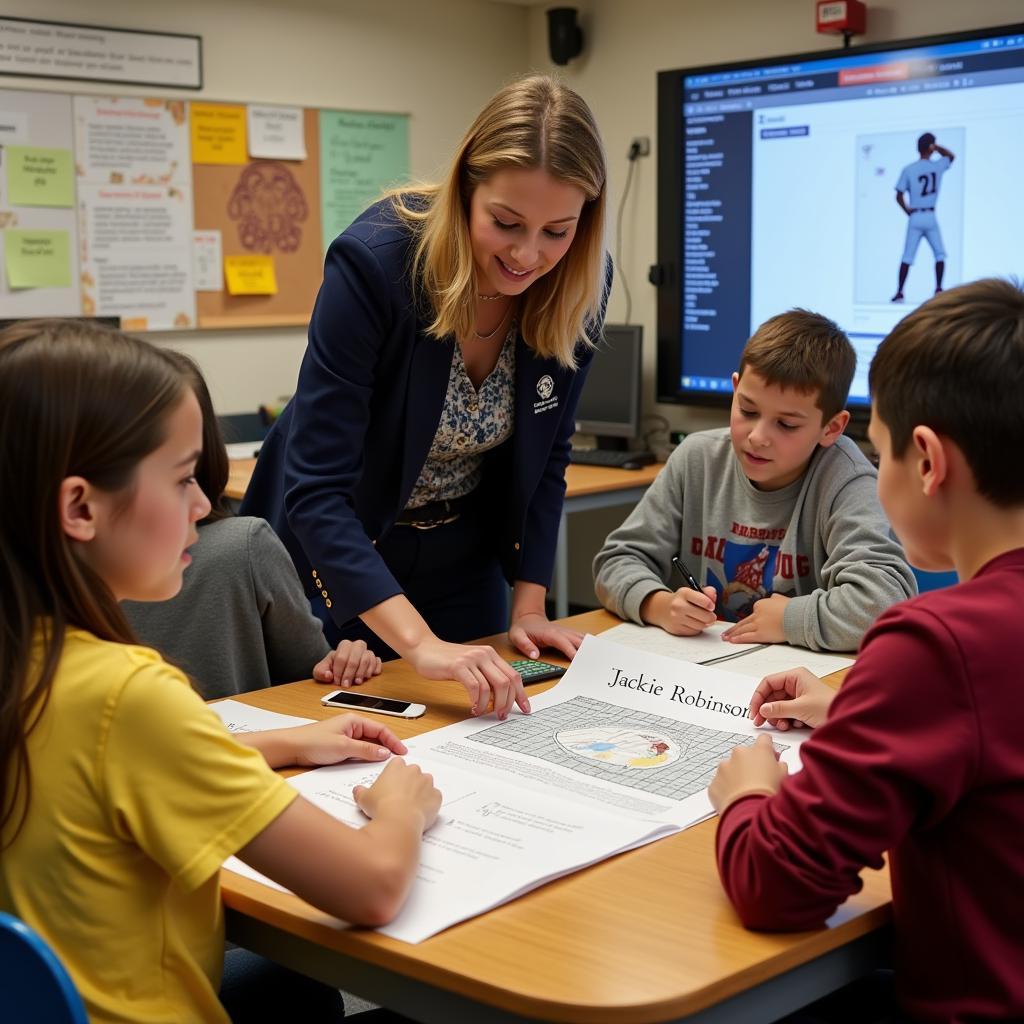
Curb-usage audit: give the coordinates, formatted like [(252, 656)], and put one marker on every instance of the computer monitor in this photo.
[(609, 406), (778, 183)]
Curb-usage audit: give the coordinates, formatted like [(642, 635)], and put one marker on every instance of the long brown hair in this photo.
[(536, 122), (212, 469), (75, 400)]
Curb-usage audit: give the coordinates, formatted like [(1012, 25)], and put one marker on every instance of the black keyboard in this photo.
[(611, 459)]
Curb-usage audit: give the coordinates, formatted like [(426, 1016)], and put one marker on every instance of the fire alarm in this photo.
[(842, 17)]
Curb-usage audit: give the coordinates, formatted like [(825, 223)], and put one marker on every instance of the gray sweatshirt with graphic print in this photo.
[(823, 540)]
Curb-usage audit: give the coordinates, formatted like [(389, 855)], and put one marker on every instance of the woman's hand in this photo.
[(350, 664), (795, 698), (532, 631), (400, 789), (342, 738), (491, 682)]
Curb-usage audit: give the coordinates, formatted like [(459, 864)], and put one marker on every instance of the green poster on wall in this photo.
[(360, 156)]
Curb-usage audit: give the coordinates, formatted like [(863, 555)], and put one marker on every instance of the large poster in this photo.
[(360, 156), (135, 211)]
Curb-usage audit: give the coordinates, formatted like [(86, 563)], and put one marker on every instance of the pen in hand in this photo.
[(685, 574)]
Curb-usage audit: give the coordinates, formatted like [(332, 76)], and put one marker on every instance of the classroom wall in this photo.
[(438, 61), (625, 45)]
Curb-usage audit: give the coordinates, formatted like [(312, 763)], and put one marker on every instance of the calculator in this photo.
[(536, 671)]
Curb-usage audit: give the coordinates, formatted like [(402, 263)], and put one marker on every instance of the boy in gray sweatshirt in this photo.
[(777, 516)]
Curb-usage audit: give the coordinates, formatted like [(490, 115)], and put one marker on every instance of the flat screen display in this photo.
[(778, 184)]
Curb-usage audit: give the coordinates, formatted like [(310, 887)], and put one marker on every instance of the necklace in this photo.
[(491, 334), (490, 298)]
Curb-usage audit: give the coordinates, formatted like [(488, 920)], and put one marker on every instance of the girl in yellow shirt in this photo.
[(121, 793)]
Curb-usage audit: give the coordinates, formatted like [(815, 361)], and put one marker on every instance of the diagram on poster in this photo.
[(659, 756)]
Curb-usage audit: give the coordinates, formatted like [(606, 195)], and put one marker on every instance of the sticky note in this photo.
[(250, 275), (37, 259), (39, 177), (218, 134)]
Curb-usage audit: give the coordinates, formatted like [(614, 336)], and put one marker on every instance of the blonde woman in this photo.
[(419, 469)]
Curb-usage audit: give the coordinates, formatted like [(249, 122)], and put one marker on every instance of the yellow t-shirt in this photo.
[(138, 795)]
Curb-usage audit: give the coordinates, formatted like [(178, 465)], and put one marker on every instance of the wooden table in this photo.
[(586, 487), (647, 936)]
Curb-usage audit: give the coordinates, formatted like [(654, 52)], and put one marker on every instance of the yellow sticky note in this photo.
[(250, 275), (37, 259), (218, 134), (39, 177)]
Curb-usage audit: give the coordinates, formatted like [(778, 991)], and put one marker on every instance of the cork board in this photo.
[(268, 207)]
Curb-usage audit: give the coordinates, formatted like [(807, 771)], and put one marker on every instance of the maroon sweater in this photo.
[(922, 756)]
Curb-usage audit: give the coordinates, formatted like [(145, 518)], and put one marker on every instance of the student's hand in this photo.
[(528, 633), (795, 698), (401, 788), (763, 625), (491, 682), (350, 664), (683, 613), (748, 770), (343, 738)]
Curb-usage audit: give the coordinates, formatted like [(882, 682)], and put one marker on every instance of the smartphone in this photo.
[(536, 671), (356, 700)]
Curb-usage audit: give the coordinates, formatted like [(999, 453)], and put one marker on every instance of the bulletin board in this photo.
[(267, 208), (175, 214)]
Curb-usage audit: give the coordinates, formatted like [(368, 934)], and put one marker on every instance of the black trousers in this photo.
[(450, 574)]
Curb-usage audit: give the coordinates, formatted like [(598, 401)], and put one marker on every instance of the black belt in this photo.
[(923, 209), (433, 513)]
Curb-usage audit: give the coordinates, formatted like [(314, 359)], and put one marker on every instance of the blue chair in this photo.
[(34, 984), (933, 580)]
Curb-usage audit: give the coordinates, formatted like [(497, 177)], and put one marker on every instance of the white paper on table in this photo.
[(276, 133), (207, 261), (490, 843), (756, 660), (704, 647), (594, 770), (239, 717), (780, 657)]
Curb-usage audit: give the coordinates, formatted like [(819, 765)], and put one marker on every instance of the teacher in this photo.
[(419, 469)]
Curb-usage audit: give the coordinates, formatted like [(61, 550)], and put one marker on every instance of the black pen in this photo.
[(686, 574)]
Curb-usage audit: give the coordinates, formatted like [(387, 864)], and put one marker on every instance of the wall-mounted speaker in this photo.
[(565, 37)]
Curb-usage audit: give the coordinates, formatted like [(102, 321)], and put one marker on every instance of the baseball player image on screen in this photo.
[(917, 192)]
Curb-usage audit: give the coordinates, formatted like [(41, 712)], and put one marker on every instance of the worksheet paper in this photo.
[(239, 717), (757, 660), (618, 754)]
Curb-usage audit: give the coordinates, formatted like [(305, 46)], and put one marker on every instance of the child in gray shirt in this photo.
[(241, 620), (777, 515)]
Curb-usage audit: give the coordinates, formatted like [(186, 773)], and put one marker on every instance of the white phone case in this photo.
[(337, 699)]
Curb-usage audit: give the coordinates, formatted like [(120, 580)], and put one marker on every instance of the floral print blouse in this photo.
[(472, 422)]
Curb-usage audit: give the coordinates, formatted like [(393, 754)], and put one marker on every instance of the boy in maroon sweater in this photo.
[(922, 750)]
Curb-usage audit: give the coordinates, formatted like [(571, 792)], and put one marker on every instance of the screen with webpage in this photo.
[(790, 178)]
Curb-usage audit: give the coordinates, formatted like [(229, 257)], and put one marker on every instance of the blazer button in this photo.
[(314, 574), (323, 593), (328, 602), (473, 407), (516, 545)]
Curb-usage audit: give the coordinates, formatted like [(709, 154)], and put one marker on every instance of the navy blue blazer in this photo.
[(339, 464)]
